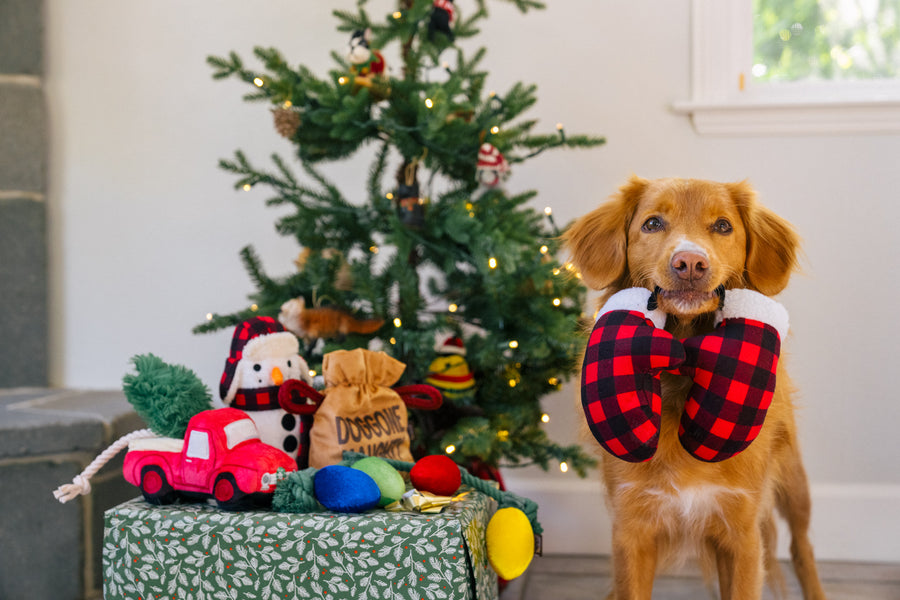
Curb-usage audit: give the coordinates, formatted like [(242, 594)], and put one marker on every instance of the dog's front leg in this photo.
[(634, 562), (740, 567)]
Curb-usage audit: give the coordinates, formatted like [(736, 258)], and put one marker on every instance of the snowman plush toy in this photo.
[(264, 358)]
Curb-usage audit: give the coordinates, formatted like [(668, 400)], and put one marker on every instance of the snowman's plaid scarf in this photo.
[(733, 369), (251, 399)]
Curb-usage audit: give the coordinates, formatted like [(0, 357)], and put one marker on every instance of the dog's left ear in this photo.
[(772, 243), (598, 241)]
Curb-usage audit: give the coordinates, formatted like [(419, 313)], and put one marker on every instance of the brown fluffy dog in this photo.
[(688, 237)]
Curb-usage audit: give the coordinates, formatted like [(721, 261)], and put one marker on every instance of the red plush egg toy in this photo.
[(437, 474)]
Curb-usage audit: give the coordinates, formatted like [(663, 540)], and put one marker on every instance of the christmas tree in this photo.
[(434, 262)]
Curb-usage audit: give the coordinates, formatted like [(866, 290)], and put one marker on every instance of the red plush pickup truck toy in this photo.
[(220, 456)]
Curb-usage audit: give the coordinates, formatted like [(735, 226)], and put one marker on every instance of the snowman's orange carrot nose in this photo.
[(277, 377)]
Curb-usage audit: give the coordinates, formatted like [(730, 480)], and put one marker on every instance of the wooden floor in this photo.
[(588, 578)]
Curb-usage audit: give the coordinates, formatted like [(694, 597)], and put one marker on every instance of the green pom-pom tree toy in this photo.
[(439, 248), (165, 396)]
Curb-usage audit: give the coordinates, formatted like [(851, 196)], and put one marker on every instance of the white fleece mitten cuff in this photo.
[(749, 304), (635, 300)]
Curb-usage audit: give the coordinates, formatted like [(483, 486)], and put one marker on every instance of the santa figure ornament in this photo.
[(492, 168), (365, 61), (264, 357), (443, 13)]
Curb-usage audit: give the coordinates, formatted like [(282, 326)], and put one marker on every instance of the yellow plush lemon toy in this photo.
[(510, 542)]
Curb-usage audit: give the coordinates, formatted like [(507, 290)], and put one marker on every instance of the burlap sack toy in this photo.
[(360, 411)]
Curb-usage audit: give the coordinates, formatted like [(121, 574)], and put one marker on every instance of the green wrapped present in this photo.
[(194, 551)]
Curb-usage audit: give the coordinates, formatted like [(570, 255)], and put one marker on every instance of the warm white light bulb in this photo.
[(398, 322), (545, 418), (514, 344), (492, 262), (450, 449), (429, 102), (564, 467), (453, 308), (258, 82)]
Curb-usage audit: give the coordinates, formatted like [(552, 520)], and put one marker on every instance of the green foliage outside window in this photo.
[(826, 39)]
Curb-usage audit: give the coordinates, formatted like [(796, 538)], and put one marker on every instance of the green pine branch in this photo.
[(485, 253)]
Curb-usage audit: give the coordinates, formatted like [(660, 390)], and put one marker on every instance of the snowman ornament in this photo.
[(492, 168), (263, 357)]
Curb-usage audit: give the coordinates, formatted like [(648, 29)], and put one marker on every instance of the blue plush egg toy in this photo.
[(342, 489)]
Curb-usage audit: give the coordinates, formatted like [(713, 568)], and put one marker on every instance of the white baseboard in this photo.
[(850, 522)]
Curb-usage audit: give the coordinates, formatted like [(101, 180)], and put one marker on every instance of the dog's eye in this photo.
[(723, 226), (652, 225)]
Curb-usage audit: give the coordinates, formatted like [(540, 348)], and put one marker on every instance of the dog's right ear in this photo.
[(598, 241)]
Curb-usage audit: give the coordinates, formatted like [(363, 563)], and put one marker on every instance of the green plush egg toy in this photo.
[(388, 479), (510, 542)]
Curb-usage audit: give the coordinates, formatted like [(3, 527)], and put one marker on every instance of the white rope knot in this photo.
[(81, 484)]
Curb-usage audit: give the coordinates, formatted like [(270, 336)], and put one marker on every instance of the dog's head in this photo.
[(686, 237)]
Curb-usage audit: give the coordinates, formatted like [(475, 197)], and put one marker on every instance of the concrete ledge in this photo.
[(23, 143), (46, 438), (23, 291), (21, 35)]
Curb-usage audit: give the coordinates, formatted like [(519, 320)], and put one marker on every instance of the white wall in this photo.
[(146, 229)]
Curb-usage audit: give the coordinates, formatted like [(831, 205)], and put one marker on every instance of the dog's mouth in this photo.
[(687, 301)]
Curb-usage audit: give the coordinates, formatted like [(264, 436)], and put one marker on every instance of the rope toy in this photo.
[(81, 484), (296, 493)]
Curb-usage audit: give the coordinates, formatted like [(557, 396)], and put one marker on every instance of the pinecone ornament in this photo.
[(287, 121)]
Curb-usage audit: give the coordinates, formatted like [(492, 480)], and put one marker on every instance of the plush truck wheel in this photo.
[(227, 493), (155, 487)]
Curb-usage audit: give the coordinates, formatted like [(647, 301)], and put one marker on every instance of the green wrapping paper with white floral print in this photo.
[(195, 551)]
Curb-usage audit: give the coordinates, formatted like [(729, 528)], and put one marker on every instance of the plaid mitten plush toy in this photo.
[(733, 369), (620, 387)]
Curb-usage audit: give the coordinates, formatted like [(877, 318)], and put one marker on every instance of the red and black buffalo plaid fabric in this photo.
[(243, 333), (733, 369), (250, 399), (620, 387)]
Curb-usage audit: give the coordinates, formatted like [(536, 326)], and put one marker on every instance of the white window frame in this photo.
[(725, 100)]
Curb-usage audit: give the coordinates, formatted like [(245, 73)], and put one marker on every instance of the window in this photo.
[(802, 66), (833, 40), (198, 445), (238, 432)]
